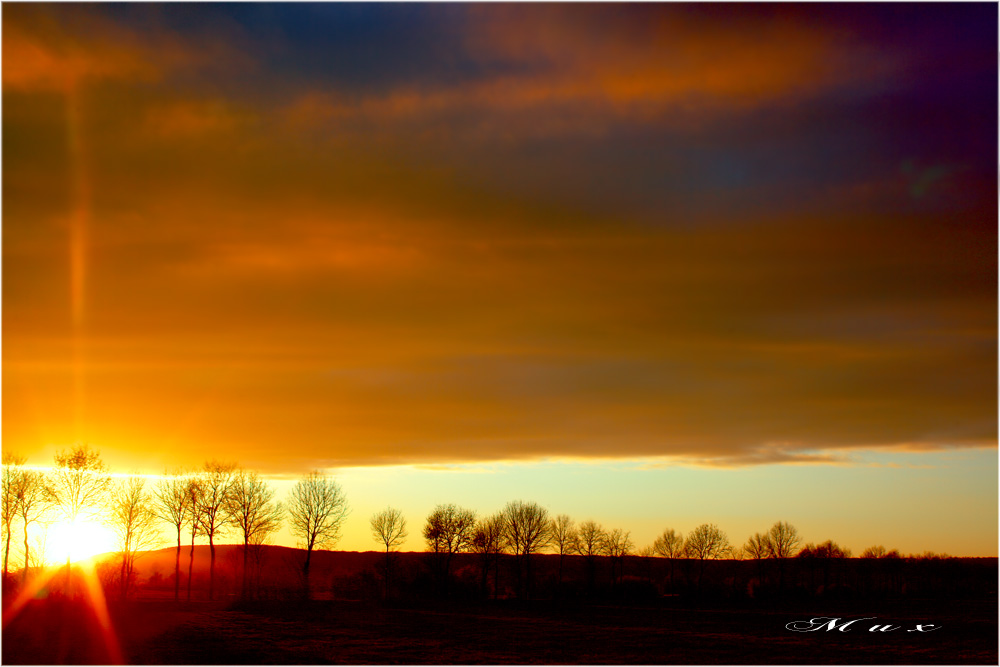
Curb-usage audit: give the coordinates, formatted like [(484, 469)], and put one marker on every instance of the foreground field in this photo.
[(164, 632)]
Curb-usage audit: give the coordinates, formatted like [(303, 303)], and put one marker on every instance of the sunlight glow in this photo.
[(78, 541)]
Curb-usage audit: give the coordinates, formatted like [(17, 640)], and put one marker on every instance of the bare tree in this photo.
[(828, 549), (488, 542), (194, 493), (389, 528), (825, 558), (13, 470), (782, 540), (591, 545), (564, 539), (706, 542), (34, 500), (670, 545), (173, 505), (80, 484), (213, 489), (877, 551), (133, 520), (527, 532), (617, 545), (448, 531), (249, 507), (317, 508), (758, 547)]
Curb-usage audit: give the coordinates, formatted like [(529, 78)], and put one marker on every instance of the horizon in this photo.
[(650, 265), (409, 485)]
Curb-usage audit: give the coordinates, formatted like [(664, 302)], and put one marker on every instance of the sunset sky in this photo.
[(654, 265)]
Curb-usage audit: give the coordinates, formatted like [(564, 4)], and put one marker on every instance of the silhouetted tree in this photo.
[(448, 531), (194, 492), (877, 551), (80, 484), (828, 549), (13, 469), (173, 505), (527, 532), (34, 500), (317, 508), (131, 515), (591, 545), (758, 547), (212, 521), (564, 539), (783, 538), (389, 528), (617, 545), (706, 542), (250, 508), (488, 542), (670, 545), (822, 557)]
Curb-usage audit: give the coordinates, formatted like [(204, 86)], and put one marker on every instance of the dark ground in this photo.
[(164, 632)]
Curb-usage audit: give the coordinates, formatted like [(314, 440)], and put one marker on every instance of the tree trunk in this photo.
[(6, 554), (496, 575), (190, 567), (246, 552), (527, 576), (386, 597), (305, 572), (24, 572), (211, 568), (124, 580), (177, 567)]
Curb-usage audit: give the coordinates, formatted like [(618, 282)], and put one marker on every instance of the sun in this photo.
[(78, 540)]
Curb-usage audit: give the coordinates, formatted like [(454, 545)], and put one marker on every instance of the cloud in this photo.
[(638, 232), (597, 65), (196, 118), (53, 49)]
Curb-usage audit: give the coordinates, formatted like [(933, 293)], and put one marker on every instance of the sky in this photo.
[(656, 265)]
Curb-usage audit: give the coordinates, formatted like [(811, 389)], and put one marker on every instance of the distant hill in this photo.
[(357, 575)]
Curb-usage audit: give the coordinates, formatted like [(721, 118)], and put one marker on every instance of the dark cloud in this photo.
[(441, 233)]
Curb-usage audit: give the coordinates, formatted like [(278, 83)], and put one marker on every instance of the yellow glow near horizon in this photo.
[(78, 541)]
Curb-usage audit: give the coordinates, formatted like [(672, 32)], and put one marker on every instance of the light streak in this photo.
[(78, 243)]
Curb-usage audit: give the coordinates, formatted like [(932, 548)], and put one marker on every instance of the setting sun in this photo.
[(78, 541)]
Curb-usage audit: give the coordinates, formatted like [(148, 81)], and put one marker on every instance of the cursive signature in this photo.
[(831, 623)]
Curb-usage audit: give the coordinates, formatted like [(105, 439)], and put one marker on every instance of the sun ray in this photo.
[(28, 593), (95, 597), (78, 243)]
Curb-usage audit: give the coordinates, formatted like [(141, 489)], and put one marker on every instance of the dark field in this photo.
[(284, 632)]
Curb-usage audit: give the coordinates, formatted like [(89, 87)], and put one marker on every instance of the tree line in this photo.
[(218, 499), (225, 499)]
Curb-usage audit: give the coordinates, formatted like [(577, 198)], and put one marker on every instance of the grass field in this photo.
[(165, 632)]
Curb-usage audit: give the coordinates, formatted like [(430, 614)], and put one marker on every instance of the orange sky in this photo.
[(327, 236)]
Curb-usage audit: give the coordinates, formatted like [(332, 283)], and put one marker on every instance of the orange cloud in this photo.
[(672, 70), (47, 60), (193, 118), (46, 48)]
